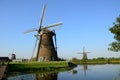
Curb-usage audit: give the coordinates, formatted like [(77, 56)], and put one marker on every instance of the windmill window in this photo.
[(41, 59)]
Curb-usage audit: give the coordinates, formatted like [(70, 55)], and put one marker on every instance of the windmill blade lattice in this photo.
[(53, 25), (30, 30), (34, 49), (41, 20)]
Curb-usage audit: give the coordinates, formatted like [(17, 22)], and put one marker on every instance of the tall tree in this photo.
[(115, 29)]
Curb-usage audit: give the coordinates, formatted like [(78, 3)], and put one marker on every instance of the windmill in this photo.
[(84, 54), (47, 47), (13, 56)]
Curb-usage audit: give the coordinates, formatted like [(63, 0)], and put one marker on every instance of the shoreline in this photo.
[(52, 65), (40, 66), (107, 61)]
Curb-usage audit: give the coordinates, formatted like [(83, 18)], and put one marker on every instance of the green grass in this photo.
[(37, 66), (104, 61), (52, 65)]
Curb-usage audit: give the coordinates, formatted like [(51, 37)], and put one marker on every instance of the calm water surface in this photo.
[(82, 72)]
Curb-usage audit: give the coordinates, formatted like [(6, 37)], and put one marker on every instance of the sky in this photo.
[(86, 24)]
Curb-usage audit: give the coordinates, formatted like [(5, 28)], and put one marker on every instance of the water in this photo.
[(82, 72)]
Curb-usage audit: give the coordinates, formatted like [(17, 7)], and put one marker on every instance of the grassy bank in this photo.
[(37, 66), (53, 66), (105, 61)]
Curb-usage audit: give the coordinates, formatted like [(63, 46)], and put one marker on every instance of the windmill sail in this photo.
[(34, 49), (53, 25), (42, 16), (30, 30)]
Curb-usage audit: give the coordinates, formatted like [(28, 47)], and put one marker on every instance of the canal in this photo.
[(81, 72)]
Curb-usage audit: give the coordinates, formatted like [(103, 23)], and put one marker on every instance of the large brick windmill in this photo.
[(47, 45)]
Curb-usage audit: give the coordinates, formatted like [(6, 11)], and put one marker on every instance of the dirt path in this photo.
[(2, 71)]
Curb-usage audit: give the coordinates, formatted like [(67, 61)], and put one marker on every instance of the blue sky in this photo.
[(86, 23)]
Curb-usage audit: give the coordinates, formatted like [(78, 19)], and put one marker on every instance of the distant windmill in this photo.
[(13, 56), (84, 54), (47, 47)]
